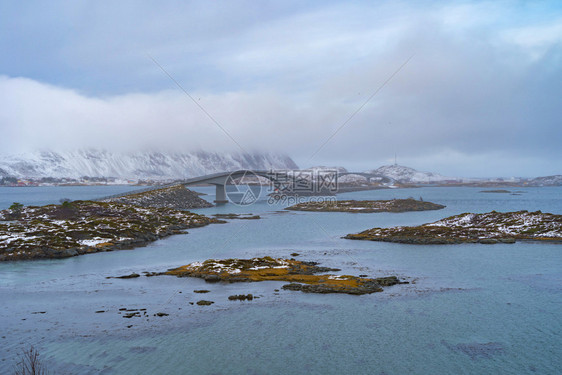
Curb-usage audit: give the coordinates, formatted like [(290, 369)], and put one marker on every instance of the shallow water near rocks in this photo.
[(470, 308)]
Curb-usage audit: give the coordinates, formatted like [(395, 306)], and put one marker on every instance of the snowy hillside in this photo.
[(555, 180), (323, 169), (138, 165), (408, 175)]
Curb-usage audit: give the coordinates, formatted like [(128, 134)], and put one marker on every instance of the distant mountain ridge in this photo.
[(555, 180), (409, 175), (137, 165)]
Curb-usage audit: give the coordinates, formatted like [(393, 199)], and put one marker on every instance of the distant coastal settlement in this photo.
[(82, 181)]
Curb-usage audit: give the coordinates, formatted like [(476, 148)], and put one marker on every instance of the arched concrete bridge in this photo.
[(221, 179)]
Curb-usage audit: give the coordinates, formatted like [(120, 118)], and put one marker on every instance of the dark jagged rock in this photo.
[(132, 314), (131, 276), (241, 297), (365, 288), (150, 274)]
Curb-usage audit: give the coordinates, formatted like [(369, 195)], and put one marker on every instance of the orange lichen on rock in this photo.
[(302, 275)]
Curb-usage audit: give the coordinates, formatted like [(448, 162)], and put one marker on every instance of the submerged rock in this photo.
[(497, 191), (132, 314), (204, 303), (131, 276), (241, 297)]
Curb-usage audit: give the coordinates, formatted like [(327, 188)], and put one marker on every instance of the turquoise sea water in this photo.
[(469, 309)]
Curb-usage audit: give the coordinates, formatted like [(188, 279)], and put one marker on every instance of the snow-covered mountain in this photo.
[(409, 175), (137, 165), (323, 169), (555, 180)]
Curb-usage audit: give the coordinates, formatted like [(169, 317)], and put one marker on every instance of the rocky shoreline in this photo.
[(302, 276), (82, 227), (177, 197), (393, 205), (487, 228)]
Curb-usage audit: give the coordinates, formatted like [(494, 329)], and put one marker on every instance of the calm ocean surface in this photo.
[(470, 309)]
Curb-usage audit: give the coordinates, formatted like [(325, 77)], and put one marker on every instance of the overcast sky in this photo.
[(481, 93)]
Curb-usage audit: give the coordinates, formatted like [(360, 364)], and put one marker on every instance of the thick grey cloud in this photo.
[(481, 95)]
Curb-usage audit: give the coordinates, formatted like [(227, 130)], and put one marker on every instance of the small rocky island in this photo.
[(237, 216), (302, 276), (81, 227), (487, 228), (177, 197), (393, 205), (496, 191)]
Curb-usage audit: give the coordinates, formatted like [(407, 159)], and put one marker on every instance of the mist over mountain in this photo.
[(135, 165)]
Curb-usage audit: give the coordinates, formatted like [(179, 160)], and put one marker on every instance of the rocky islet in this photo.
[(486, 228)]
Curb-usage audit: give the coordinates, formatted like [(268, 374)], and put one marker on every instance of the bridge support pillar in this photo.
[(221, 194)]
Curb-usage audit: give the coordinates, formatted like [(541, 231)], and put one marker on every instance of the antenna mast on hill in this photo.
[(395, 163)]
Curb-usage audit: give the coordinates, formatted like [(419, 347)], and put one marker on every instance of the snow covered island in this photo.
[(177, 197), (81, 227), (301, 275), (487, 228), (394, 205)]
